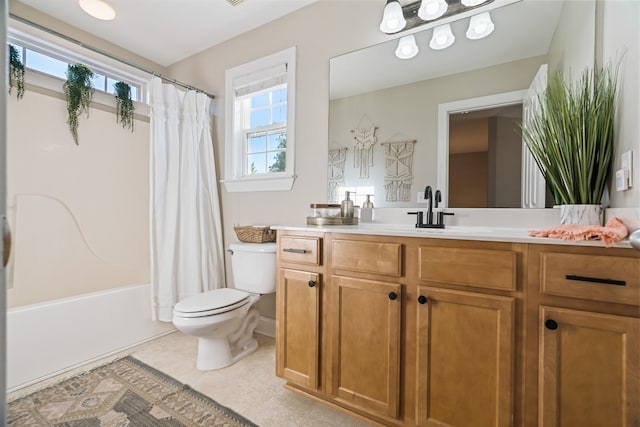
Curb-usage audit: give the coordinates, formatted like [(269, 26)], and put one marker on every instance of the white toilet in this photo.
[(224, 319)]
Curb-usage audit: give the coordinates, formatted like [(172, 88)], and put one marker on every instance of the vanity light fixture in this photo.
[(432, 9), (480, 26), (471, 3), (392, 18), (98, 9), (442, 37), (407, 47)]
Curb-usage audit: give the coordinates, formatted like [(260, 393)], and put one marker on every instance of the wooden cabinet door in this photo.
[(589, 373), (298, 327), (464, 359), (365, 344)]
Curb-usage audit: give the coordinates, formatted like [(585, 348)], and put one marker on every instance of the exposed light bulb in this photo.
[(392, 18), (407, 47), (442, 37), (432, 9), (480, 26), (98, 9)]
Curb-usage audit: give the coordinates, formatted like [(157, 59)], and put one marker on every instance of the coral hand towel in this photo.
[(610, 234)]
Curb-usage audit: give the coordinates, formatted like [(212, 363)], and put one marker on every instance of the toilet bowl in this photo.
[(224, 319)]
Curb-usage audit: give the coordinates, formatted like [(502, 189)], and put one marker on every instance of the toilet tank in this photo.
[(253, 266)]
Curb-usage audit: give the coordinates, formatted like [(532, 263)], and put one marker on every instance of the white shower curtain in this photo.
[(186, 233)]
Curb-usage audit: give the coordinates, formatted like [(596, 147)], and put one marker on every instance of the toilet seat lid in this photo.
[(212, 302)]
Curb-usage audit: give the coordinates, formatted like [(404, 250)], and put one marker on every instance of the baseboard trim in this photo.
[(266, 326)]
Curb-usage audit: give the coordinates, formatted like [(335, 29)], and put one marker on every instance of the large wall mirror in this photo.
[(384, 125)]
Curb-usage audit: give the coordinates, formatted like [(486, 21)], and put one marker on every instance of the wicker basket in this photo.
[(251, 234)]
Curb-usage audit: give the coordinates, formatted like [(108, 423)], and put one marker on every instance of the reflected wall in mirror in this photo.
[(372, 88)]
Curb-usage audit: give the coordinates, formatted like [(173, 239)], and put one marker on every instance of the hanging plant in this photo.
[(78, 89), (16, 72), (124, 105)]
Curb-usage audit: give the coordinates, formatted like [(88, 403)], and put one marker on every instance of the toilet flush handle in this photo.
[(230, 251)]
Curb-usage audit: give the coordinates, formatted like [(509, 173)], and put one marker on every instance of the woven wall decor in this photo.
[(335, 175), (398, 170), (363, 142)]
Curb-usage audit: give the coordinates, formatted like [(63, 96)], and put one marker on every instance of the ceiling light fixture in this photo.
[(442, 37), (407, 47), (480, 26), (98, 9), (432, 9), (471, 3), (392, 17)]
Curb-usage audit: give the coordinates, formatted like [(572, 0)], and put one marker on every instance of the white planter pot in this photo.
[(581, 214)]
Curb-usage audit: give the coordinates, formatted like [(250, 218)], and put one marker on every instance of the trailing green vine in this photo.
[(78, 89), (16, 72), (124, 105)]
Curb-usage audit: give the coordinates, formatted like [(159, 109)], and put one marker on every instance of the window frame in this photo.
[(235, 177), (25, 36)]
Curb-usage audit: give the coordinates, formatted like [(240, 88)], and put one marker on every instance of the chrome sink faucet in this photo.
[(429, 197)]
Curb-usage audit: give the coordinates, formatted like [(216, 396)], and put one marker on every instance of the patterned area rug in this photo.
[(123, 393)]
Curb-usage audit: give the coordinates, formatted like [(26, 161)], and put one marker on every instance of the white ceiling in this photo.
[(522, 30), (168, 31)]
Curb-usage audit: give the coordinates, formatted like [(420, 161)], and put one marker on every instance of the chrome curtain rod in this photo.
[(108, 55)]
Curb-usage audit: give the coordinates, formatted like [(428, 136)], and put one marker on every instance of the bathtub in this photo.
[(50, 338)]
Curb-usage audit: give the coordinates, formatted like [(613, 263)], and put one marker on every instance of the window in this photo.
[(51, 58), (259, 127)]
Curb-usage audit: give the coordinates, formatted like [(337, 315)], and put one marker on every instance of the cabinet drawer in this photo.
[(484, 268), (302, 250), (593, 277), (368, 257)]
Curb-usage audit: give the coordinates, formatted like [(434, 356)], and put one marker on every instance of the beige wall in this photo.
[(79, 213), (505, 162), (621, 39), (573, 46)]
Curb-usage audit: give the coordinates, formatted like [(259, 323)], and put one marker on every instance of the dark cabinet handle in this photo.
[(6, 238), (312, 283), (422, 299), (392, 296), (294, 251), (551, 324), (595, 280)]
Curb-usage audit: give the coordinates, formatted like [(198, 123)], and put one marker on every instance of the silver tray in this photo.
[(332, 220)]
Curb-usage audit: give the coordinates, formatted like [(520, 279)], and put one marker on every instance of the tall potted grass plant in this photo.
[(571, 140)]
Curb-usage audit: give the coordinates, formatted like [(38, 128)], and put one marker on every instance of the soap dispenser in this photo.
[(366, 212), (346, 209)]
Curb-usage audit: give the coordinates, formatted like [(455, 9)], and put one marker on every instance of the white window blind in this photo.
[(260, 81)]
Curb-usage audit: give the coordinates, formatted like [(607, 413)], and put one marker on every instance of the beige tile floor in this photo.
[(249, 387)]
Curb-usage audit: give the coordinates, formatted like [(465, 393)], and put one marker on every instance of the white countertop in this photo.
[(494, 234)]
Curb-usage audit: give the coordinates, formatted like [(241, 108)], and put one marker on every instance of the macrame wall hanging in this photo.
[(337, 159), (398, 170), (363, 142)]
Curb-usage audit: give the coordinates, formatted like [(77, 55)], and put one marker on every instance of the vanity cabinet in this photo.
[(366, 307), (418, 331), (298, 303), (585, 337), (466, 341)]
